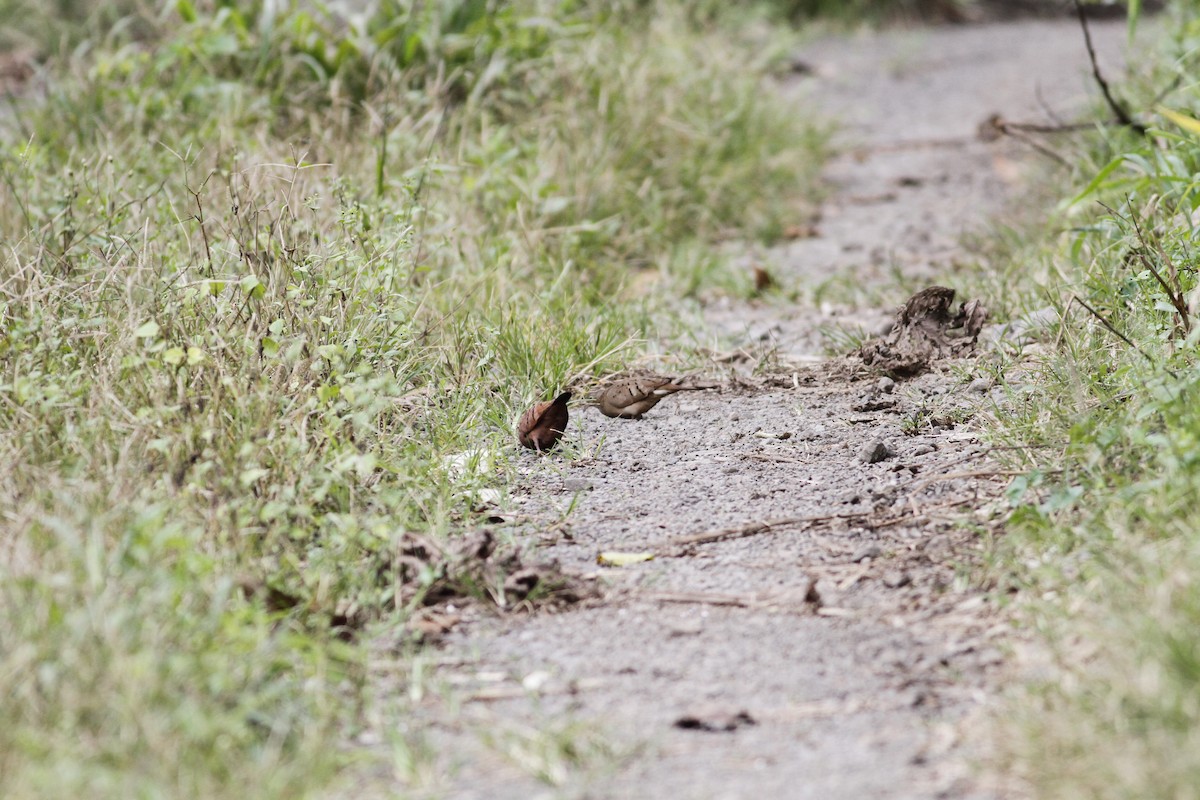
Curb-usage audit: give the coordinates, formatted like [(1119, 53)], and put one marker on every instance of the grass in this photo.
[(1104, 558), (272, 290)]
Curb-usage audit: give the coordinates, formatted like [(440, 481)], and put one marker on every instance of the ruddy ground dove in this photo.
[(542, 426), (633, 397)]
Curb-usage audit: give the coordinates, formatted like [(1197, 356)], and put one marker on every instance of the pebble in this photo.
[(865, 552), (886, 385), (765, 334), (874, 452), (923, 449), (896, 579), (980, 385), (685, 627), (577, 484)]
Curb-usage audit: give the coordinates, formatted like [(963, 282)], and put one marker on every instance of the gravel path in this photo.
[(839, 658)]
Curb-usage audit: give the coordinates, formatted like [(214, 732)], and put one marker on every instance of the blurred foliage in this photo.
[(1111, 548), (275, 284)]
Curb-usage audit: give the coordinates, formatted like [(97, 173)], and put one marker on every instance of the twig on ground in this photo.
[(519, 692), (679, 545), (922, 513), (806, 599), (700, 598), (974, 473), (1044, 149), (774, 458), (911, 144), (753, 528)]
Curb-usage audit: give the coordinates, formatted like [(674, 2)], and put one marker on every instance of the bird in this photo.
[(542, 426), (633, 397)]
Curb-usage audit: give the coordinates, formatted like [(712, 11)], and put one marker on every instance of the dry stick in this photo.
[(752, 528), (1118, 334), (900, 519), (976, 473), (1060, 127), (1175, 294), (1117, 108), (968, 457), (499, 693), (911, 144), (1170, 87), (699, 598), (1177, 300), (761, 600), (1045, 106), (774, 458), (1036, 145)]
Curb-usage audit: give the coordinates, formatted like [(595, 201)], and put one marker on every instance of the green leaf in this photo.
[(1189, 124), (327, 393), (194, 356), (1109, 168), (147, 330), (252, 286), (251, 476), (174, 356)]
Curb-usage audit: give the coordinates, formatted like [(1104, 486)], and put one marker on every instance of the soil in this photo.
[(807, 627)]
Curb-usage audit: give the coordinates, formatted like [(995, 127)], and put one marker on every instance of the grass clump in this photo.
[(1105, 526), (273, 287)]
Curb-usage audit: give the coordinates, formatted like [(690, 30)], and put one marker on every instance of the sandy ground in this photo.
[(842, 657)]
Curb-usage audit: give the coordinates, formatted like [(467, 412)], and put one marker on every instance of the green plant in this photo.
[(1104, 544), (273, 289)]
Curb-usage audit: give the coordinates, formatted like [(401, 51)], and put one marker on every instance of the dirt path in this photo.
[(863, 692)]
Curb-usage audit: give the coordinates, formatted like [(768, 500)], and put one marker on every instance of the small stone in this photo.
[(865, 552), (980, 385), (685, 627), (874, 452), (886, 385), (765, 334), (895, 579), (535, 680), (873, 402), (812, 595), (714, 720), (577, 485), (923, 449)]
